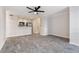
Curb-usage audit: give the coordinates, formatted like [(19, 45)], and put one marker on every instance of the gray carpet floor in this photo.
[(37, 44)]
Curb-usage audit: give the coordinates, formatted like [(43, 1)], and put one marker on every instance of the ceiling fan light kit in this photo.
[(35, 13)]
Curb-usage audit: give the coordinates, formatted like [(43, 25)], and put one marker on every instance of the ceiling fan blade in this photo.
[(30, 8), (38, 7), (40, 11), (30, 11)]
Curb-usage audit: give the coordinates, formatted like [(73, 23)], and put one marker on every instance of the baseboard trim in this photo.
[(2, 44), (66, 39), (18, 36), (25, 35), (74, 43)]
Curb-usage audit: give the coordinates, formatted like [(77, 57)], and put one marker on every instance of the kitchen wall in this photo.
[(13, 28), (58, 23), (74, 25), (2, 26)]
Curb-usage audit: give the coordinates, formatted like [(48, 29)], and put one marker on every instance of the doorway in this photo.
[(36, 26)]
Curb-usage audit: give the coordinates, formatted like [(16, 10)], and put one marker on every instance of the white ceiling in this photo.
[(22, 10)]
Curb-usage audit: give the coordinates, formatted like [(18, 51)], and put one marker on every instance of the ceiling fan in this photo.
[(35, 10)]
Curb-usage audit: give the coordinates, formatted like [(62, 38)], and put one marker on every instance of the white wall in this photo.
[(74, 25), (58, 23), (44, 25), (12, 28), (2, 26)]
